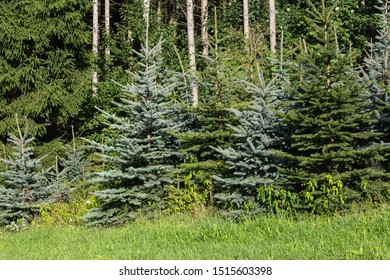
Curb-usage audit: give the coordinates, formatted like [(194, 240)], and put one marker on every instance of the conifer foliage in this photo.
[(329, 113), (249, 162), (44, 63), (25, 188), (377, 67), (142, 151)]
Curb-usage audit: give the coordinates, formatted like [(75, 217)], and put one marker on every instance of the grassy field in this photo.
[(352, 236)]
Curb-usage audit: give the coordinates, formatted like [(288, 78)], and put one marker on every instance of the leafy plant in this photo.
[(191, 193)]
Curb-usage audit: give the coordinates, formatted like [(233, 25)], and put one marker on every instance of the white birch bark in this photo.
[(95, 43), (245, 15), (204, 31), (272, 25), (191, 49)]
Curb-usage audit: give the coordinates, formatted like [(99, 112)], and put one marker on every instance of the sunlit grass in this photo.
[(356, 235)]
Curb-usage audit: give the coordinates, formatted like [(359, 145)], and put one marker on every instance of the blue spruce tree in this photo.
[(250, 162), (377, 65), (141, 153), (25, 188)]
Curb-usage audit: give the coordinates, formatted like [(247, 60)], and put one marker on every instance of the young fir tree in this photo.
[(377, 65), (25, 188), (249, 162), (141, 155), (329, 114)]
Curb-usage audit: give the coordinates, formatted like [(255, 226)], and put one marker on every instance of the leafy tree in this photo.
[(142, 153), (329, 114), (25, 188)]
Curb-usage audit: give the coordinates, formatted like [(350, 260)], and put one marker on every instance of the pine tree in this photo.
[(25, 188), (377, 65), (329, 114), (142, 153), (250, 162)]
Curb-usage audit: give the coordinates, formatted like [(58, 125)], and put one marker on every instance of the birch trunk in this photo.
[(246, 19), (107, 24), (191, 49), (272, 25), (95, 42), (204, 30)]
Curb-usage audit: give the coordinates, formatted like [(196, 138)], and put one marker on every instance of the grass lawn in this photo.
[(364, 235)]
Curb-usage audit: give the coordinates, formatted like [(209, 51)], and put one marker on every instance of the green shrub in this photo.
[(69, 213), (192, 193), (275, 200), (325, 195)]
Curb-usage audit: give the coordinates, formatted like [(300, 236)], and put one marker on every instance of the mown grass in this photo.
[(357, 235)]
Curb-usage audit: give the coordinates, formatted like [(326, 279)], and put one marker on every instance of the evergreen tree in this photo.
[(250, 162), (220, 87), (25, 188), (44, 64), (142, 153), (74, 162), (377, 65), (329, 115)]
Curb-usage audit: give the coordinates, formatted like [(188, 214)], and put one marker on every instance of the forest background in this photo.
[(112, 110)]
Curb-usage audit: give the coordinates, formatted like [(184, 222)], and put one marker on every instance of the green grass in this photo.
[(352, 236)]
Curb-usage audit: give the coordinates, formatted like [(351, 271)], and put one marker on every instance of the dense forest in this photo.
[(115, 109)]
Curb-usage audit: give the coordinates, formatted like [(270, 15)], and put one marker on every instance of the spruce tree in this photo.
[(141, 153), (45, 64), (377, 63), (250, 162), (25, 188), (329, 114), (219, 88)]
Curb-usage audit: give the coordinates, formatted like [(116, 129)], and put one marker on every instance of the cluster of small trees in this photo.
[(312, 135)]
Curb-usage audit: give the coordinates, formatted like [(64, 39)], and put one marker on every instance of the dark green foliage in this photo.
[(250, 162), (25, 188), (141, 155), (219, 88), (44, 64), (329, 115)]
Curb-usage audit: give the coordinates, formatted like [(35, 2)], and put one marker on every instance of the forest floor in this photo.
[(355, 235)]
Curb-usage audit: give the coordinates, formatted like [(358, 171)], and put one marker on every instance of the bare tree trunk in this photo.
[(246, 18), (204, 30), (158, 12), (191, 49), (146, 19), (107, 24), (95, 42), (272, 25), (172, 16)]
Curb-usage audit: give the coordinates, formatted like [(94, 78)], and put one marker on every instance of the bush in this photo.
[(69, 213), (192, 193)]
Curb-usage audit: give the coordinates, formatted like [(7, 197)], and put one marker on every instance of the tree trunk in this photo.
[(272, 25), (158, 12), (204, 30), (107, 25), (146, 18), (95, 42), (246, 18), (191, 49)]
